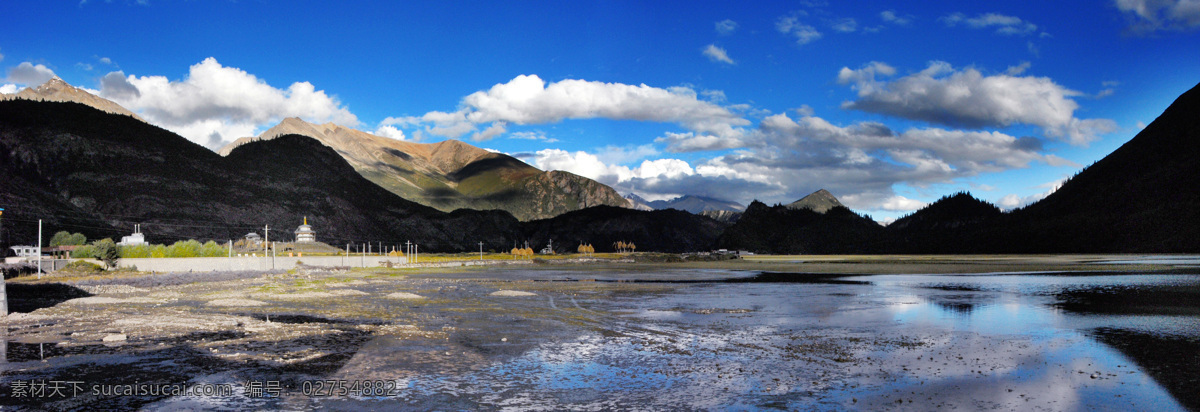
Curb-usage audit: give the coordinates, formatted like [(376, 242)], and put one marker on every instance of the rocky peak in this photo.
[(58, 90), (819, 201)]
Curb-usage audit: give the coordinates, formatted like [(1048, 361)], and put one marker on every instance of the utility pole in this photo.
[(408, 251), (3, 296), (481, 251), (266, 239), (39, 252), (347, 253)]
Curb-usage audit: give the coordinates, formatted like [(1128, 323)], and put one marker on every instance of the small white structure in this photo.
[(305, 233), (253, 237), (135, 239), (25, 251)]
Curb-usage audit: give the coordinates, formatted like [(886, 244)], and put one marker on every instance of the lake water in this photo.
[(662, 340)]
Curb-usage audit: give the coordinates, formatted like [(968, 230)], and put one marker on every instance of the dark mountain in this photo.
[(696, 204), (783, 230), (950, 225), (1143, 197), (727, 216), (84, 170), (660, 230), (819, 201)]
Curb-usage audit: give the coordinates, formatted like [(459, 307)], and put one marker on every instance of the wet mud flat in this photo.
[(602, 338)]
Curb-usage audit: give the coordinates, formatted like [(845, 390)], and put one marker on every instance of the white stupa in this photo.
[(305, 233)]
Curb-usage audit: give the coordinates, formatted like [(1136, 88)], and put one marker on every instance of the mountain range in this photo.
[(687, 203), (82, 169), (451, 175), (100, 169)]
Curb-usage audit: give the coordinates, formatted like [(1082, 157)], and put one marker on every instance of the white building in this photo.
[(25, 251), (135, 239), (305, 233)]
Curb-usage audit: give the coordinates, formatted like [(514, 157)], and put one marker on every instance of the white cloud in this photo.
[(844, 25), (390, 132), (791, 25), (1018, 69), (529, 100), (1152, 15), (8, 89), (223, 100), (105, 60), (29, 74), (1006, 25), (726, 27), (496, 129), (83, 66), (717, 54), (1013, 201), (891, 16), (657, 179), (899, 203), (941, 94), (790, 157)]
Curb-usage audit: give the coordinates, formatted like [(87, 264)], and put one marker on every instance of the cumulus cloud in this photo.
[(1151, 15), (223, 100), (8, 88), (726, 27), (30, 74), (792, 26), (941, 94), (527, 99), (717, 54), (1005, 25), (657, 179), (862, 161), (390, 132)]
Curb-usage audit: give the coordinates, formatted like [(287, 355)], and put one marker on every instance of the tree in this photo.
[(106, 251), (60, 238), (65, 238)]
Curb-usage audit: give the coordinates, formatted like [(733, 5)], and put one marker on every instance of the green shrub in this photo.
[(80, 266), (212, 249), (84, 252), (135, 251)]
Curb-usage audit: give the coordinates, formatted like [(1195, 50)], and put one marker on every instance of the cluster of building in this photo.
[(304, 234)]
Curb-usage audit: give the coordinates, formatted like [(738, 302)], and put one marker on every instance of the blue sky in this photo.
[(889, 105)]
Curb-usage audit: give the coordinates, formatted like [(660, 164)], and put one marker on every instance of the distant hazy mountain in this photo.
[(637, 203), (57, 90), (452, 175), (819, 201), (695, 204)]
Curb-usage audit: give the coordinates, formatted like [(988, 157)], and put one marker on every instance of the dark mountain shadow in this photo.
[(28, 297)]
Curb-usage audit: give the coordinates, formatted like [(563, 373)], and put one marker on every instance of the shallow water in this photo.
[(634, 340)]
